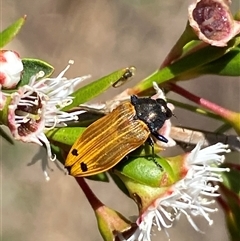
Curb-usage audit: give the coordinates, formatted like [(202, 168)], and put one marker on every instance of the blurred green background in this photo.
[(100, 36)]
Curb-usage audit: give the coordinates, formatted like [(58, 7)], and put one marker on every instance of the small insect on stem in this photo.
[(109, 139), (129, 73)]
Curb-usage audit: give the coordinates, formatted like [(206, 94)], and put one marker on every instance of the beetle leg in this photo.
[(151, 143), (160, 137)]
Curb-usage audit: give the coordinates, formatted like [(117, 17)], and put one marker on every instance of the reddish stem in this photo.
[(230, 194), (223, 204), (200, 101), (233, 166), (93, 200)]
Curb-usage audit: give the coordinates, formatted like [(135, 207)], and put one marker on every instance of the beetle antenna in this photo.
[(178, 121)]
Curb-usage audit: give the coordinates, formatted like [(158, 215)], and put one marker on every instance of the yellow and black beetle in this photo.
[(109, 139)]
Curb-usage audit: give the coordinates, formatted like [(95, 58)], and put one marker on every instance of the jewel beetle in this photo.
[(109, 139)]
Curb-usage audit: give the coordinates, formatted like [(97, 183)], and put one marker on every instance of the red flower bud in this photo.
[(11, 68)]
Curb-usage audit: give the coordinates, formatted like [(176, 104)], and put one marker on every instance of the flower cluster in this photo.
[(36, 107), (191, 196)]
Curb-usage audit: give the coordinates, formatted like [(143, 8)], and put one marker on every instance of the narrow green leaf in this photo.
[(102, 177), (233, 220), (191, 45), (85, 119), (227, 65), (223, 128), (94, 89), (119, 183), (180, 69), (231, 181), (9, 33), (195, 109), (65, 135), (4, 112), (5, 136), (231, 193)]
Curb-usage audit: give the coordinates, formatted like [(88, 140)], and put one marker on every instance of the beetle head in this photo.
[(152, 112)]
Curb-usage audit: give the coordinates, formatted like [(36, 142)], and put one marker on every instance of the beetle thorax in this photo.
[(152, 112)]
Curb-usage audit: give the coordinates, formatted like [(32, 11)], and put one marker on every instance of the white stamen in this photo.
[(46, 175)]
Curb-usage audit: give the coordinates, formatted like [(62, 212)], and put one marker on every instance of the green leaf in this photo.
[(223, 128), (231, 181), (144, 170), (185, 67), (119, 183), (32, 67), (227, 65), (233, 220), (4, 112), (9, 33), (191, 45), (5, 136), (65, 135), (102, 177), (195, 109), (231, 192), (85, 119), (95, 88)]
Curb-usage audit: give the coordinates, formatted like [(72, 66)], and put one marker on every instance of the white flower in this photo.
[(11, 68), (190, 196), (36, 107)]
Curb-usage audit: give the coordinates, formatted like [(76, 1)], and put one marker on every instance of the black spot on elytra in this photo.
[(83, 167), (74, 152)]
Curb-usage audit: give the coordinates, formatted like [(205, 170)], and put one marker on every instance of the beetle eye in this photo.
[(168, 113), (161, 102)]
